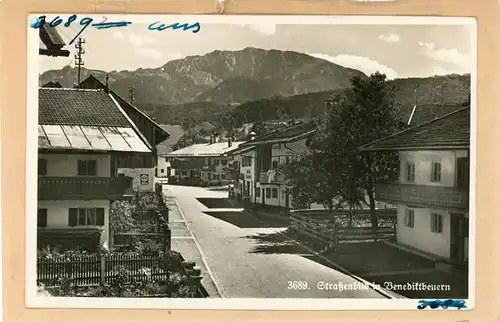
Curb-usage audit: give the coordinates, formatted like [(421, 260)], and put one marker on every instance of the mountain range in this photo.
[(250, 84)]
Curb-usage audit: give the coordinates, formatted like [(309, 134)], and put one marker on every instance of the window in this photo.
[(275, 193), (257, 192), (162, 170), (436, 172), (42, 167), (86, 217), (166, 160), (287, 159), (268, 192), (87, 167), (195, 173), (183, 173), (208, 161), (436, 223), (209, 176), (42, 218), (410, 172), (410, 218), (223, 162), (275, 165), (216, 162)]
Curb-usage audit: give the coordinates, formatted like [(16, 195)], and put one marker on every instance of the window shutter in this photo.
[(81, 168), (100, 216), (42, 167), (73, 217), (42, 218), (92, 167)]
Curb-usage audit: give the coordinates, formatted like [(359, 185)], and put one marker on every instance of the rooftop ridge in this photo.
[(71, 89)]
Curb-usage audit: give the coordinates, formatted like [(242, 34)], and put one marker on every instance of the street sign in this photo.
[(144, 179)]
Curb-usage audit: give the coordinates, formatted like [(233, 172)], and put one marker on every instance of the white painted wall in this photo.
[(136, 173), (58, 213), (421, 236), (423, 166), (66, 165), (162, 166)]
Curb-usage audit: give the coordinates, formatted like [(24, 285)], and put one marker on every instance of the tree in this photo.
[(340, 174)]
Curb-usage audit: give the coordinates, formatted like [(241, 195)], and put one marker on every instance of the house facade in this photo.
[(207, 162), (432, 194), (261, 181), (82, 134), (163, 165), (143, 168)]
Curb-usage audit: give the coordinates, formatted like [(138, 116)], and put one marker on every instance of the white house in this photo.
[(163, 165), (262, 158), (207, 162), (432, 194), (82, 134)]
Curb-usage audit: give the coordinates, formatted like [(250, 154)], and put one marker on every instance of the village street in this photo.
[(242, 255)]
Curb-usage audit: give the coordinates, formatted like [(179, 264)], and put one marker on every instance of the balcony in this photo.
[(272, 177), (209, 168), (423, 195), (84, 188)]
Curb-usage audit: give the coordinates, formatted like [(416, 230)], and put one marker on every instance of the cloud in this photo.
[(392, 38), (363, 64), (266, 29), (149, 53), (448, 55)]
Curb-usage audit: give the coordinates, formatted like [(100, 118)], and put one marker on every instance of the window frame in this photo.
[(410, 172), (436, 223), (86, 167), (409, 220), (436, 173)]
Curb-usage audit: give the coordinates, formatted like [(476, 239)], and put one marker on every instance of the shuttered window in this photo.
[(42, 218), (85, 217), (87, 167)]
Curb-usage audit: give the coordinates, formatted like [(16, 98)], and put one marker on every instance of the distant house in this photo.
[(428, 112), (51, 43), (432, 194), (206, 162), (81, 136), (261, 159), (137, 166), (166, 147)]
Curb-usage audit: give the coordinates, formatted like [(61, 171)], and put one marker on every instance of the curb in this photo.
[(203, 258)]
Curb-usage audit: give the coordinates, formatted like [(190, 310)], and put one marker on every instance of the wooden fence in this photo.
[(94, 269), (322, 227), (88, 270)]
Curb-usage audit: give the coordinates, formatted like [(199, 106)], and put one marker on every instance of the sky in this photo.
[(399, 51)]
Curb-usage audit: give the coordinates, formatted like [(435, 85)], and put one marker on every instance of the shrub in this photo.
[(120, 216)]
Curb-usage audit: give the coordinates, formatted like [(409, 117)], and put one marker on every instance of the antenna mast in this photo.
[(78, 57)]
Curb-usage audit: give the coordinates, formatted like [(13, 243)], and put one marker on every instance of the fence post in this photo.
[(167, 236), (102, 275)]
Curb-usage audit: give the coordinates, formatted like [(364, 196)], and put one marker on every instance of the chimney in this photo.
[(106, 87), (211, 139), (229, 141), (252, 135)]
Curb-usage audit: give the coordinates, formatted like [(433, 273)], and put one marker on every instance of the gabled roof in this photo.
[(241, 149), (176, 132), (92, 82), (449, 132), (427, 112), (290, 134), (205, 149), (51, 43), (85, 120)]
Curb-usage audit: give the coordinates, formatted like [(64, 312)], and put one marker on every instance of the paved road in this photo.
[(245, 256)]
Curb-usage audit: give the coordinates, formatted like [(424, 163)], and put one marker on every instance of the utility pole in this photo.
[(131, 95), (78, 57)]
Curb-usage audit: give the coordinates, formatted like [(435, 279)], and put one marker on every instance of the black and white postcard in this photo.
[(250, 162)]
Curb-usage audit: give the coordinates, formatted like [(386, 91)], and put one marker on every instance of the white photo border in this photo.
[(31, 298)]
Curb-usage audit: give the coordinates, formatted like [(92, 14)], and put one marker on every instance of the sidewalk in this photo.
[(184, 243)]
